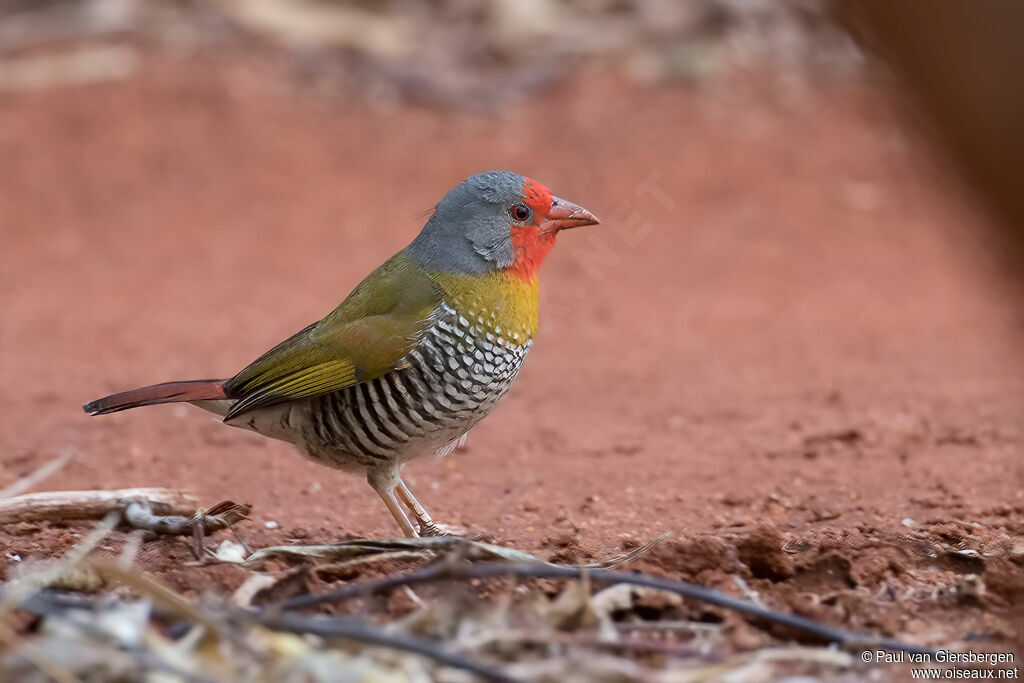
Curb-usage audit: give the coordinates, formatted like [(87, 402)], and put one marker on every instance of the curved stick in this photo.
[(443, 571)]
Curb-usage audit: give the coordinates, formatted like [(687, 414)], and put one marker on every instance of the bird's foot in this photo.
[(431, 528)]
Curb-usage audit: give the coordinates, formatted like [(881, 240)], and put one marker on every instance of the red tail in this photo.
[(169, 392)]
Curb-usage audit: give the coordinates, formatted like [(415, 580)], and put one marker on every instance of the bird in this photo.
[(415, 356)]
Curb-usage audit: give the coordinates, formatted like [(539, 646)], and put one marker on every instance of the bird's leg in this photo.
[(427, 525), (385, 488)]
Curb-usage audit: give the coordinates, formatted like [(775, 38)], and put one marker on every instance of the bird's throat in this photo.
[(531, 246)]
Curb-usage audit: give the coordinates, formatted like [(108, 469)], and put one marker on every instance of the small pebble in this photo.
[(907, 521), (271, 524)]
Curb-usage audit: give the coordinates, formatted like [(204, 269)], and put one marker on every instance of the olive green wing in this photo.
[(368, 335)]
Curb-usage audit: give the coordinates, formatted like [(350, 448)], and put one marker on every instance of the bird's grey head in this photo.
[(472, 228)]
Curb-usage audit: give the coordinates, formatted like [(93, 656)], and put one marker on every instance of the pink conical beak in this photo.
[(563, 215)]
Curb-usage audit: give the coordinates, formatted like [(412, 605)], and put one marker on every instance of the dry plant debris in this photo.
[(486, 611)]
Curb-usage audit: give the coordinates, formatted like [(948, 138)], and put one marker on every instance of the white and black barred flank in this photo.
[(457, 374)]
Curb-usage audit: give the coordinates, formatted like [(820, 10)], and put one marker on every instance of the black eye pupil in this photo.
[(520, 212)]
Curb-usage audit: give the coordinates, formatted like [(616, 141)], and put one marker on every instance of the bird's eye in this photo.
[(520, 212)]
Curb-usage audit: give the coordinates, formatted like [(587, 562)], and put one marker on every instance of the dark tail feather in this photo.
[(170, 392)]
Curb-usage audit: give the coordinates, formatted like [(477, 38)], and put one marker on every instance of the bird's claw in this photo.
[(432, 528)]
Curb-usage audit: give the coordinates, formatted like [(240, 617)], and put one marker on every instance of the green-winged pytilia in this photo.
[(414, 357)]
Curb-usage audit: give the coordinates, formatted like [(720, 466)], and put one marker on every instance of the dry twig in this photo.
[(59, 506), (362, 632), (447, 571), (33, 478)]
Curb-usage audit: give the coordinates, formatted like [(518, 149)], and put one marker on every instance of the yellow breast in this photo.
[(499, 302)]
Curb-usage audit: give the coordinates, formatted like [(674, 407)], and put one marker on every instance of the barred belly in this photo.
[(457, 374)]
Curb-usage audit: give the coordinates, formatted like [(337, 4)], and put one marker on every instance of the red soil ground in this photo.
[(790, 342)]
